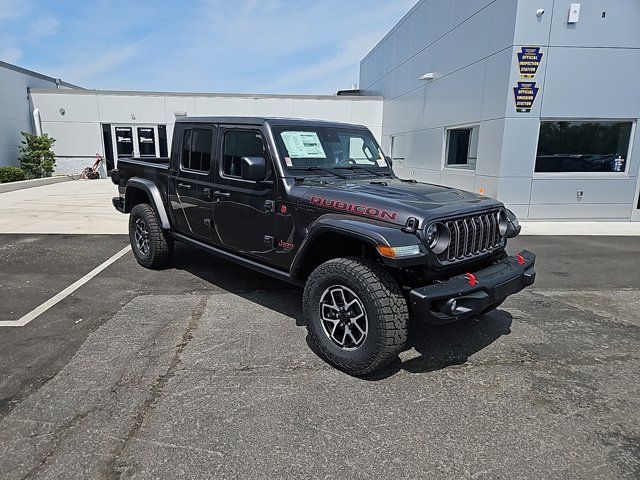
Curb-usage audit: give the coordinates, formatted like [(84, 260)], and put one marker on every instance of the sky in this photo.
[(236, 46)]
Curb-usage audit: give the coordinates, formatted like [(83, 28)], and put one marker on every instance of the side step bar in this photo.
[(245, 262)]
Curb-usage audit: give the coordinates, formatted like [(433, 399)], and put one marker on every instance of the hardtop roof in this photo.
[(266, 120)]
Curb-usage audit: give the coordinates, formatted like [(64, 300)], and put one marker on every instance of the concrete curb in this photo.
[(36, 182)]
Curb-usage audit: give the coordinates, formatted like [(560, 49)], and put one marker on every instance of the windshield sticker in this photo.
[(303, 144), (381, 161)]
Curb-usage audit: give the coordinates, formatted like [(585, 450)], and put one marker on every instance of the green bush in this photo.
[(36, 157), (11, 174)]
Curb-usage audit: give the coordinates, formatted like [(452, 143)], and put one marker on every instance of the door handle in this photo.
[(219, 194), (184, 186)]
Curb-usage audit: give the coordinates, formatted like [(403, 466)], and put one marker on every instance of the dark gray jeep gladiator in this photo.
[(317, 204)]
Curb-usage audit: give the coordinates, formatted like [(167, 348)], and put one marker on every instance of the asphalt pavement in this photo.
[(203, 370)]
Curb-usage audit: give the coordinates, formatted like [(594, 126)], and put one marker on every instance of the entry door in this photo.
[(147, 144), (138, 141), (123, 142), (244, 210), (191, 181)]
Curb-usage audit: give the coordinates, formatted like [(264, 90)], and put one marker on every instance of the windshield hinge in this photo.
[(411, 225)]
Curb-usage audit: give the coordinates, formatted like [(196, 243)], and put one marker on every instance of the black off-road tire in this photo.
[(385, 306), (160, 246)]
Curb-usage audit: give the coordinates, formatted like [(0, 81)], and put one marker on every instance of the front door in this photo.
[(138, 141), (147, 146), (123, 138), (244, 210), (191, 181)]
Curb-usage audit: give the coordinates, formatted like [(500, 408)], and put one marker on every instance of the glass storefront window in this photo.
[(583, 146)]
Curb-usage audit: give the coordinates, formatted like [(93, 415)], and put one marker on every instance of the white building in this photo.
[(451, 71), (112, 124), (15, 109), (533, 102)]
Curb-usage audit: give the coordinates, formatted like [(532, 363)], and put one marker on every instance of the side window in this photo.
[(360, 152), (238, 144), (196, 150)]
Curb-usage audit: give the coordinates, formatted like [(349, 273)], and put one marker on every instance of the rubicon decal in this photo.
[(352, 207)]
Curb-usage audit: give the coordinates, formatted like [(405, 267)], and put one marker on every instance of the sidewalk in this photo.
[(581, 228), (75, 207)]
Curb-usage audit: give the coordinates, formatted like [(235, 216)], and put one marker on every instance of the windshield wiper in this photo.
[(319, 169), (373, 172)]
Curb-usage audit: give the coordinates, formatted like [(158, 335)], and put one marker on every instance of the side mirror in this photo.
[(389, 161), (253, 168)]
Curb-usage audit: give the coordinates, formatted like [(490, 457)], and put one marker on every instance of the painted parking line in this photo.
[(24, 320)]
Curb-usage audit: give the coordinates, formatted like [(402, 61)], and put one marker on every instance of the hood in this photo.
[(392, 200)]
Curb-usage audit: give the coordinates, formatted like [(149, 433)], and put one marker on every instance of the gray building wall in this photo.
[(78, 132), (589, 70), (15, 111)]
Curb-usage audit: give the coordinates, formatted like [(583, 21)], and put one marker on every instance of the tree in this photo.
[(36, 157)]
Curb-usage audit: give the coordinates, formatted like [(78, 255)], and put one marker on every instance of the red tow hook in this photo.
[(472, 278), (520, 259)]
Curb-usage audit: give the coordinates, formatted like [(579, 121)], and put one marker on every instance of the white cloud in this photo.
[(260, 46), (10, 9), (90, 66), (43, 27), (10, 53)]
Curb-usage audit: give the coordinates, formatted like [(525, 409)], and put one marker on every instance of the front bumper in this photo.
[(471, 294)]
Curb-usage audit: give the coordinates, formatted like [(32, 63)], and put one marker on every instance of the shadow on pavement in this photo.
[(439, 346), (269, 292), (442, 346)]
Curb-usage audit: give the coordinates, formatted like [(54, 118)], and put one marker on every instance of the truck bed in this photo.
[(155, 169)]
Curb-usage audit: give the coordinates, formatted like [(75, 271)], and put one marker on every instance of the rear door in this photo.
[(244, 210), (191, 180)]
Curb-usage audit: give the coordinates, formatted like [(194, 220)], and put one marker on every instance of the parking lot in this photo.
[(203, 370)]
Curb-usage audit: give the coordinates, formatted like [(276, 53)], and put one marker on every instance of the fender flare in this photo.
[(369, 231), (153, 192)]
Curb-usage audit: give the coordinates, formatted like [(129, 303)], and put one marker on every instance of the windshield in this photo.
[(328, 148)]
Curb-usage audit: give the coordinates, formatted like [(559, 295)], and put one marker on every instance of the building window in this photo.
[(108, 146), (238, 144), (462, 147), (162, 140), (196, 150), (579, 146)]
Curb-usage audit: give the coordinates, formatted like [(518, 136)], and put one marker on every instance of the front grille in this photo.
[(472, 236)]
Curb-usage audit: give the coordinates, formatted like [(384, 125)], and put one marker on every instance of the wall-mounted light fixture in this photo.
[(133, 116), (62, 111), (180, 114), (427, 76)]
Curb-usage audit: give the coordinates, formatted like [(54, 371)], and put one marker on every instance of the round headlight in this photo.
[(432, 235), (437, 237), (503, 224)]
